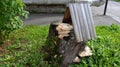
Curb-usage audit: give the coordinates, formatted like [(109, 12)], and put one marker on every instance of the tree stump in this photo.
[(68, 47), (69, 43)]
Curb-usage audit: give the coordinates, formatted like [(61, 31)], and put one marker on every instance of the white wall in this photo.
[(94, 3), (45, 1)]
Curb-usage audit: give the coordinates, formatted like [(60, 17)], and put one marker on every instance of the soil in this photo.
[(3, 47)]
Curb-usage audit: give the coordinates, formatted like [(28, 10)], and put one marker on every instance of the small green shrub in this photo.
[(10, 13)]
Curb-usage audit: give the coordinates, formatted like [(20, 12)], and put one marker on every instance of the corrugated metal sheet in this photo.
[(82, 20)]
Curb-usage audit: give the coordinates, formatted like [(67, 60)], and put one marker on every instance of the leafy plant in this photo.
[(10, 13)]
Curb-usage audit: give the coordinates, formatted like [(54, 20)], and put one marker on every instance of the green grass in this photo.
[(117, 0), (24, 48)]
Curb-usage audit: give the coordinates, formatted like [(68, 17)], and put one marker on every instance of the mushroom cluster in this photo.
[(63, 30), (87, 52)]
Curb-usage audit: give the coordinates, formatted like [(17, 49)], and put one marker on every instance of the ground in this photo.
[(24, 46), (112, 16)]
